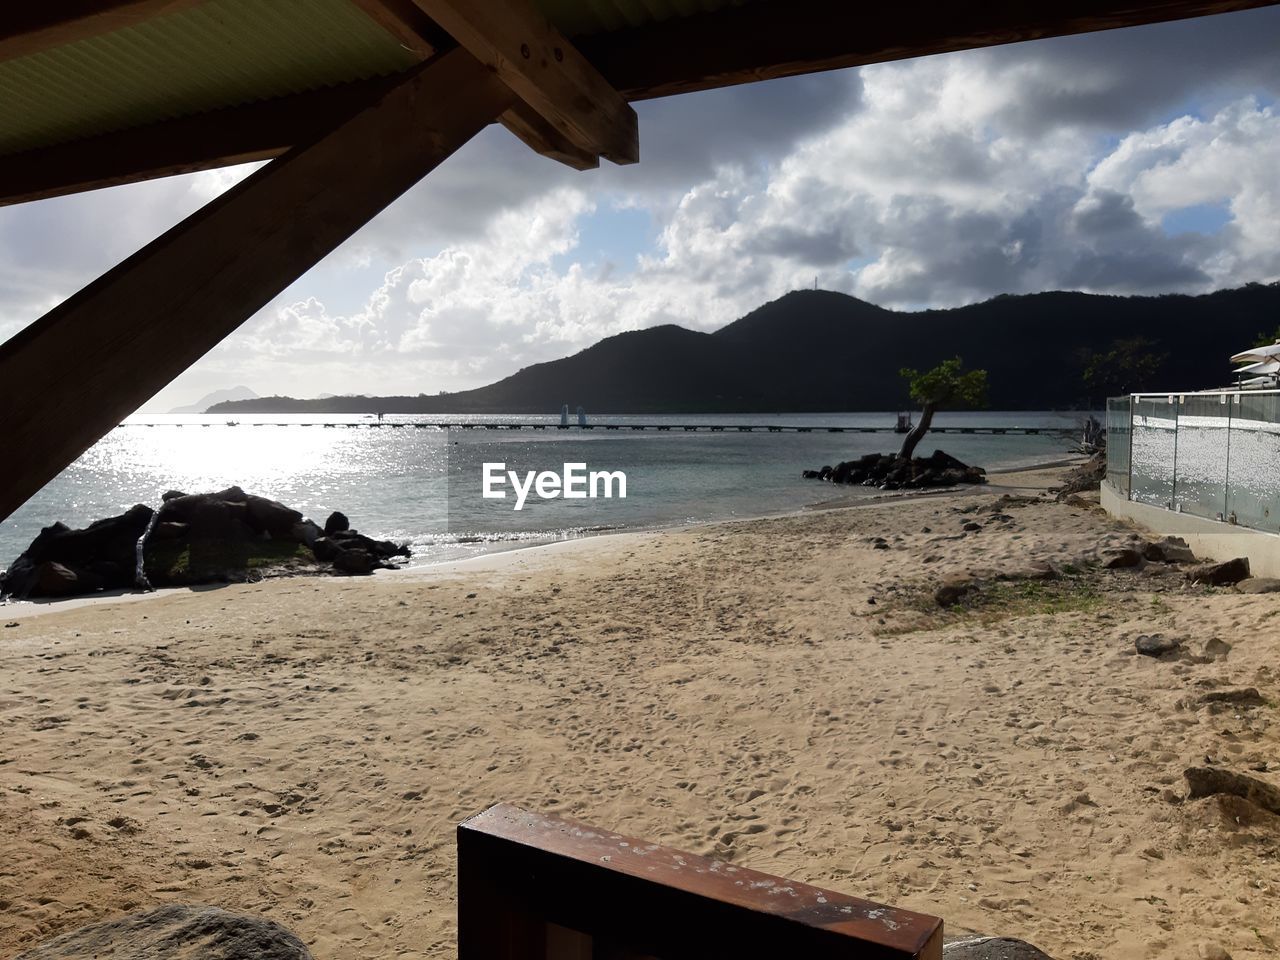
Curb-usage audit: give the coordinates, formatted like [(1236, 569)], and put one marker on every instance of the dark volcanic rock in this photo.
[(894, 473), (54, 580), (355, 560), (270, 516), (176, 932), (1169, 550), (1220, 574), (992, 948), (336, 523), (1120, 558), (227, 536), (101, 556), (1157, 645)]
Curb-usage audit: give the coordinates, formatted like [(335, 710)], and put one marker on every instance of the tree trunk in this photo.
[(918, 431)]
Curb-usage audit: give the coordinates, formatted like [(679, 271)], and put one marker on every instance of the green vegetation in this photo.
[(1128, 365), (174, 563), (1002, 600), (946, 385)]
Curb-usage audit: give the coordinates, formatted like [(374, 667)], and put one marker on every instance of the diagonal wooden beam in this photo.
[(75, 373), (27, 28), (546, 71)]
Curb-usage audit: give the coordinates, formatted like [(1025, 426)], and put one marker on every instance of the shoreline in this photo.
[(781, 693), (850, 501)]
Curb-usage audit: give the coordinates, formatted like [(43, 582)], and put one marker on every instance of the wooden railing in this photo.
[(538, 887)]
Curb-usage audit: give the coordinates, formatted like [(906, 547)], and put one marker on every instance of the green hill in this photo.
[(821, 351)]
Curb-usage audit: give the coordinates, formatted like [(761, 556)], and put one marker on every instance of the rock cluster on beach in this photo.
[(227, 536), (176, 932), (890, 472)]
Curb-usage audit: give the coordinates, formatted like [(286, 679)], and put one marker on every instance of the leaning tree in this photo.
[(946, 385)]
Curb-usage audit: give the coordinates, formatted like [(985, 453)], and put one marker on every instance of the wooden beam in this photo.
[(71, 376), (758, 41), (768, 39), (540, 136), (27, 28), (544, 70), (415, 31), (406, 21), (530, 882), (257, 131)]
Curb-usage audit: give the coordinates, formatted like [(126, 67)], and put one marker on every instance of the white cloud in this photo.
[(927, 183)]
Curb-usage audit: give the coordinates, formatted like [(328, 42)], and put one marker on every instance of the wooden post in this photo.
[(536, 887), (71, 376)]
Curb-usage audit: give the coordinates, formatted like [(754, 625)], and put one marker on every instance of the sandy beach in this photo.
[(781, 693)]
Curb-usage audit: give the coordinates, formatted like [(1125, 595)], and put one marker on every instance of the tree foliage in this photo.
[(1129, 364), (947, 385)]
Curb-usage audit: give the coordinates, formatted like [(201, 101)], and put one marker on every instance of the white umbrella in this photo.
[(1257, 354), (1259, 382), (1262, 367)]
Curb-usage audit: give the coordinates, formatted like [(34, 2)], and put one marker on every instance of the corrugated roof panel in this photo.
[(577, 18), (218, 53)]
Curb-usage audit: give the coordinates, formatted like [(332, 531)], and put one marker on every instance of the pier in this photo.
[(626, 427)]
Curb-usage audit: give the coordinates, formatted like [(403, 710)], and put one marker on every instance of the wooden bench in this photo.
[(539, 887)]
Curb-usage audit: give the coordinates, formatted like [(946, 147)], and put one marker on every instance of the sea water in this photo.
[(422, 485)]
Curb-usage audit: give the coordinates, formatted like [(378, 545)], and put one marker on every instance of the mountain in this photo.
[(815, 350), (217, 397)]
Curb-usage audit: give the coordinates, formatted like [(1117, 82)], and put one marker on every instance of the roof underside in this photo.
[(141, 88)]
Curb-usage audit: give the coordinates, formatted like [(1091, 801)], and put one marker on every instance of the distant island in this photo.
[(816, 351), (218, 396)]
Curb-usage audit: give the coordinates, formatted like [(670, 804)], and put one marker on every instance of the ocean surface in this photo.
[(423, 485)]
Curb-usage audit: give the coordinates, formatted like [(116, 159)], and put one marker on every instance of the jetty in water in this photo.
[(659, 427)]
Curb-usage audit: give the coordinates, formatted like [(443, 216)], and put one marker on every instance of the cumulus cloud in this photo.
[(936, 182)]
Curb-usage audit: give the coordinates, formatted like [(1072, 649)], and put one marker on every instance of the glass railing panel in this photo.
[(1200, 487), (1253, 468), (1118, 414), (1154, 445)]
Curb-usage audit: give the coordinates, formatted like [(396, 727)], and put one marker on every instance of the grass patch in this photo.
[(996, 601), (176, 563)]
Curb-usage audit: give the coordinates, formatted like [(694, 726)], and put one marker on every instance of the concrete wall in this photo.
[(1210, 539)]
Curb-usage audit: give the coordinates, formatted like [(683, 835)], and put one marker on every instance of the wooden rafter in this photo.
[(545, 70), (27, 28), (405, 21), (757, 41), (258, 131), (71, 376)]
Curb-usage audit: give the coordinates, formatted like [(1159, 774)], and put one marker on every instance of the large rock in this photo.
[(176, 932), (271, 516), (894, 473), (1169, 550), (991, 948), (1120, 558), (336, 523), (1157, 645), (62, 562), (1220, 574)]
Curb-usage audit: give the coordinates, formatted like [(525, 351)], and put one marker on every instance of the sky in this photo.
[(1127, 162)]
